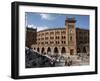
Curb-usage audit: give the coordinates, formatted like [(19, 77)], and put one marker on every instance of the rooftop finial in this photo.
[(70, 19)]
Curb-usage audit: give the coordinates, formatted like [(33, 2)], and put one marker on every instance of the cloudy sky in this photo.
[(43, 21)]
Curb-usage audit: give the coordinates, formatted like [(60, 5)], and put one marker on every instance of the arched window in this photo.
[(70, 38), (78, 50), (63, 51), (71, 51), (42, 51), (84, 50), (38, 50), (56, 50), (48, 50)]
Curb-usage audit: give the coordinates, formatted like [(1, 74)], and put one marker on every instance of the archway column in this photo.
[(60, 48), (40, 50), (52, 50)]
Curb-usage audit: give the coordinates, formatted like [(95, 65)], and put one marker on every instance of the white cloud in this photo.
[(47, 17), (31, 26), (42, 28), (39, 28)]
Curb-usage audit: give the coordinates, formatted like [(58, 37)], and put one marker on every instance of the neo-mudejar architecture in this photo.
[(67, 40)]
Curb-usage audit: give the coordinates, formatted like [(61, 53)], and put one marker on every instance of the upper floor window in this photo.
[(70, 38), (38, 38), (57, 42), (63, 42), (57, 37), (42, 38), (51, 37), (70, 26), (42, 42), (63, 37), (46, 33), (63, 32), (46, 38), (57, 32), (46, 42), (51, 33), (51, 42), (42, 33)]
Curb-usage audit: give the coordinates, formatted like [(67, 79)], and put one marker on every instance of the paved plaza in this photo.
[(34, 59)]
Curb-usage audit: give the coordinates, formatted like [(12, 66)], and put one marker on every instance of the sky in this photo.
[(43, 21)]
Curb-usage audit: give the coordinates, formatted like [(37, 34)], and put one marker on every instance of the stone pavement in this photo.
[(34, 59)]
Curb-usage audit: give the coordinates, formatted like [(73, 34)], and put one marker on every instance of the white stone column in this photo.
[(40, 50), (52, 50), (59, 49)]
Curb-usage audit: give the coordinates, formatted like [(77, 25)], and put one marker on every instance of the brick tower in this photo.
[(71, 35)]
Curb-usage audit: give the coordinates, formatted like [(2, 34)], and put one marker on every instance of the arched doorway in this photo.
[(78, 50), (63, 51), (71, 51), (84, 50), (42, 51), (38, 50), (49, 50), (56, 51)]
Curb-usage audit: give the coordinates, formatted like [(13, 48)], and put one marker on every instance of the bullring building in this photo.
[(67, 40)]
